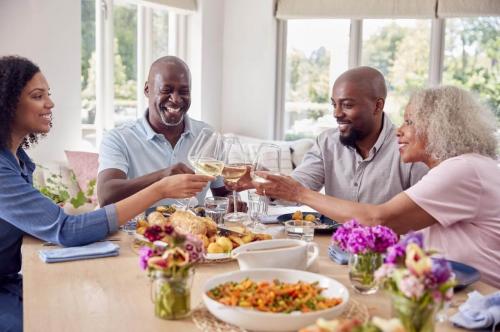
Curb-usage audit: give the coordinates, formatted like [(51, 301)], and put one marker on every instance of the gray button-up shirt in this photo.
[(346, 175)]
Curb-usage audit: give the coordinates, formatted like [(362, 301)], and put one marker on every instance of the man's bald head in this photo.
[(368, 80), (167, 63), (358, 99)]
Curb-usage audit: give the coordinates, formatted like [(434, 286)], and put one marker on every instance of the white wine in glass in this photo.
[(208, 166), (207, 153), (235, 166), (268, 160), (232, 173)]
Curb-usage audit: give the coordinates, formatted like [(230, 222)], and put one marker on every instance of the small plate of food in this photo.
[(323, 224), (218, 242), (274, 299)]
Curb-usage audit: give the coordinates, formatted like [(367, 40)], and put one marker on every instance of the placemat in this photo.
[(207, 322)]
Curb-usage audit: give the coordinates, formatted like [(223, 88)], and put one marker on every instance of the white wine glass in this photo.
[(267, 160), (235, 166), (207, 153)]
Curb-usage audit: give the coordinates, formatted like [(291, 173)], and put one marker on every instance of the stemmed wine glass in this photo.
[(267, 160), (235, 166), (207, 153)]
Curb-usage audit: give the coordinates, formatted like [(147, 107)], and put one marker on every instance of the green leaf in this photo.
[(79, 200)]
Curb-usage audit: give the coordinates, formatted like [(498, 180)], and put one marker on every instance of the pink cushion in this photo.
[(84, 165)]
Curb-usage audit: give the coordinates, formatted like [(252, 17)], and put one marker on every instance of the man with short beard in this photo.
[(141, 152), (359, 160)]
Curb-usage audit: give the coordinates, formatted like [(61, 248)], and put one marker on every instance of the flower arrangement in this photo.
[(419, 283), (170, 265), (365, 246)]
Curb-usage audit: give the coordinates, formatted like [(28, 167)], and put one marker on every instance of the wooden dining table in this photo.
[(113, 294)]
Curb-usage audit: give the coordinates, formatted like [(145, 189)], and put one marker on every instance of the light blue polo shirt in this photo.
[(136, 149)]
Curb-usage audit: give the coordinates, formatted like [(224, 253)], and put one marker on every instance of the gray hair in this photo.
[(453, 122)]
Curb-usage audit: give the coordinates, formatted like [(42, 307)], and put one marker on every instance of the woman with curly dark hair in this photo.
[(25, 114)]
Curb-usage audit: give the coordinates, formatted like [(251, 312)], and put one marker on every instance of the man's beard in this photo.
[(169, 124), (350, 140)]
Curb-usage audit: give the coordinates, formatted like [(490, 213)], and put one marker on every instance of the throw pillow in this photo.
[(84, 165)]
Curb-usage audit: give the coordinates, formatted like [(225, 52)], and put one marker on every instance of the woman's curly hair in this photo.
[(15, 73), (454, 122)]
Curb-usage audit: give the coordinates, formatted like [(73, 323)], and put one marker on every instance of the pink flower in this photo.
[(411, 287), (384, 271), (144, 254)]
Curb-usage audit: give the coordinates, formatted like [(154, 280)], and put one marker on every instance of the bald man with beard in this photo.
[(141, 152), (359, 160)]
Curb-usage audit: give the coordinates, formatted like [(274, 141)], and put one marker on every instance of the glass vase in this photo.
[(415, 316), (171, 295), (362, 269)]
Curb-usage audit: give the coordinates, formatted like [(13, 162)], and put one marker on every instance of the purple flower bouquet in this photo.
[(365, 246), (419, 284)]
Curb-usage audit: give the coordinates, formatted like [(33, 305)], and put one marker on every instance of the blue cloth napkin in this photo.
[(338, 255), (93, 250), (479, 311)]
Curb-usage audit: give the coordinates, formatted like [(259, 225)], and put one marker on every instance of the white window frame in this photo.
[(177, 45), (436, 57)]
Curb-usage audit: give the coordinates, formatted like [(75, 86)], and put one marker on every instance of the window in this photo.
[(125, 61), (472, 55), (88, 61), (160, 33), (317, 50), (400, 50), (136, 35)]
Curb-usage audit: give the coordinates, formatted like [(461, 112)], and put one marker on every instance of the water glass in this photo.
[(257, 206), (299, 229), (216, 208)]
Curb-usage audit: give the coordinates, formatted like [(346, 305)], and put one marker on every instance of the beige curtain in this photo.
[(356, 9), (184, 5), (464, 8)]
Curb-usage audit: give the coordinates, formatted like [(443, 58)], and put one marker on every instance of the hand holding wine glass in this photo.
[(207, 153), (267, 161)]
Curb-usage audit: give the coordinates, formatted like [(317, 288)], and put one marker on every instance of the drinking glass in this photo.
[(207, 153), (256, 208), (216, 208), (300, 229), (235, 166), (268, 160)]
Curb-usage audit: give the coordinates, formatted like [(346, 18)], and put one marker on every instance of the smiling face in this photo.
[(355, 112), (411, 145), (34, 109), (168, 91)]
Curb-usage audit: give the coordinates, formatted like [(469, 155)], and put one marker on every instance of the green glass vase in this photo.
[(362, 269), (415, 316), (171, 295)]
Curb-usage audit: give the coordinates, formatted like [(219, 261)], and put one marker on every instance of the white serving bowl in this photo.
[(264, 321)]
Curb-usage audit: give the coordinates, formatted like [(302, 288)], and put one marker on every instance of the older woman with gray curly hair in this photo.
[(457, 203)]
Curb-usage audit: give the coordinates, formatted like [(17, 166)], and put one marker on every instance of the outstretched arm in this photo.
[(113, 185), (400, 213)]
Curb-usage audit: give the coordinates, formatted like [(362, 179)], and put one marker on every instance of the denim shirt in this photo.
[(24, 210)]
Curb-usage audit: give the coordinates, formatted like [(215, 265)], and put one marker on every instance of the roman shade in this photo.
[(355, 9)]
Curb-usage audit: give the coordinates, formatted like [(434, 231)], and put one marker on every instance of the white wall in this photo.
[(249, 68), (48, 33)]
